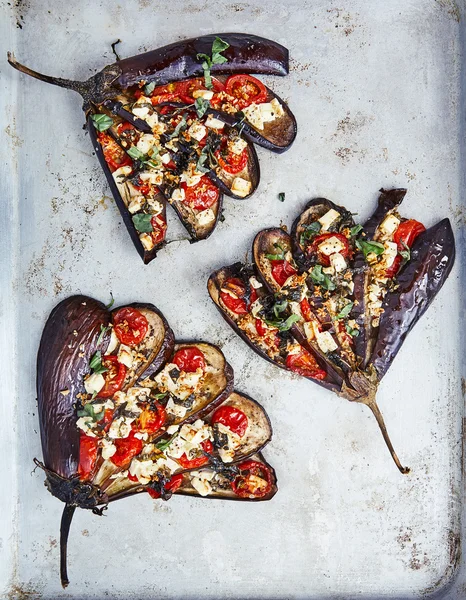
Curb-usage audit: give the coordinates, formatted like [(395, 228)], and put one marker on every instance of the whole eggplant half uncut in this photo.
[(334, 301), (123, 409), (178, 125)]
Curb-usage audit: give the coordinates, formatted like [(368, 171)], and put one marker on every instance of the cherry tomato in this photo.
[(260, 327), (115, 157), (201, 196), (305, 364), (306, 309), (126, 450), (246, 89), (130, 326), (159, 225), (114, 376), (124, 127), (230, 162), (151, 419), (231, 417), (323, 258), (87, 455), (189, 360), (106, 422), (254, 481), (281, 270), (200, 460), (143, 188), (404, 236), (172, 92), (236, 305), (171, 486), (158, 99)]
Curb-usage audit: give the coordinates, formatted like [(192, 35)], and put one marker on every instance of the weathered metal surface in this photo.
[(376, 89)]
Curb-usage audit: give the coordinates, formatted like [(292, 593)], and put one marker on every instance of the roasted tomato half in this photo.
[(254, 480), (114, 376), (87, 455), (231, 417), (130, 326), (189, 359), (324, 259), (305, 364), (199, 461), (152, 418), (404, 237), (246, 90), (201, 196), (281, 270), (234, 301), (171, 486), (115, 157), (126, 450)]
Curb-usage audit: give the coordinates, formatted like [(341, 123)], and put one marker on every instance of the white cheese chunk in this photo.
[(201, 486), (121, 172), (389, 225), (165, 158), (267, 112), (237, 145), (309, 331), (253, 114), (331, 245), (325, 341), (214, 123), (197, 131), (389, 254), (108, 449), (241, 187), (85, 424), (120, 428), (205, 474), (254, 283), (338, 262), (328, 219), (172, 429), (136, 204), (113, 343), (153, 121), (125, 356), (146, 241), (277, 108), (94, 383), (155, 177), (143, 470), (256, 307), (140, 111), (156, 206), (178, 195), (204, 94), (175, 409), (145, 143), (205, 217)]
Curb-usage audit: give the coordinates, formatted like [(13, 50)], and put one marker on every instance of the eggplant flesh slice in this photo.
[(78, 328), (417, 283)]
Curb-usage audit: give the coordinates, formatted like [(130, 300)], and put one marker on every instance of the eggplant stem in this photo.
[(66, 519), (78, 86), (380, 420)]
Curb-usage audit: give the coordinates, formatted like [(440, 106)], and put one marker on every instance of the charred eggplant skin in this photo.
[(432, 258), (68, 341), (246, 54)]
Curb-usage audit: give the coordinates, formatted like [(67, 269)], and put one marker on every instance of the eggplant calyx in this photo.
[(97, 88), (73, 491)]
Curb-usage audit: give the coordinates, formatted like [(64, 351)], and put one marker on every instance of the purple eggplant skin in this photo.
[(146, 255), (213, 286), (363, 344), (432, 258), (177, 61), (66, 347)]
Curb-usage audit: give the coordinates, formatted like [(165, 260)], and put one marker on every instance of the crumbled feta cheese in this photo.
[(153, 121), (143, 470), (146, 241), (338, 262), (108, 449), (254, 115), (389, 225), (205, 217), (172, 429), (120, 428), (241, 187), (140, 111), (277, 108), (154, 177), (145, 143), (254, 283), (94, 383), (237, 145), (389, 254), (175, 409), (328, 219), (201, 486), (156, 206), (331, 246), (256, 307), (125, 356), (309, 331), (205, 474), (178, 195), (85, 424), (197, 131), (121, 172), (191, 177), (136, 204), (205, 94), (214, 123), (165, 158), (325, 340)]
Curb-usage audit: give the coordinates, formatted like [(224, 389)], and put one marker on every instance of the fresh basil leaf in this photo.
[(102, 122), (89, 411), (405, 253), (201, 105), (274, 256), (96, 363), (319, 277), (153, 164), (160, 396), (181, 125), (103, 331), (345, 311), (218, 59), (283, 325), (149, 88), (135, 153), (219, 45), (200, 164), (355, 230), (143, 222), (281, 196), (370, 247), (310, 231), (351, 331), (164, 445), (111, 303), (279, 307)]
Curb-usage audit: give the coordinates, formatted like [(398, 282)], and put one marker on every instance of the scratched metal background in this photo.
[(376, 89)]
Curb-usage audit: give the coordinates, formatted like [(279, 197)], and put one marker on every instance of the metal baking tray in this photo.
[(377, 92)]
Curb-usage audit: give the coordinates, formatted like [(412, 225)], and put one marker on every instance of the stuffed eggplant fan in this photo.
[(334, 300), (178, 125), (124, 409)]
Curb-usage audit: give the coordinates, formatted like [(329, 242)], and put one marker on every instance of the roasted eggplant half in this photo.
[(188, 140), (329, 284), (123, 409)]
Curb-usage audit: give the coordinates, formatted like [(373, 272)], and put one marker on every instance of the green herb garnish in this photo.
[(102, 122), (283, 325), (143, 222), (200, 163), (88, 410), (351, 331), (181, 125), (278, 256), (218, 47), (279, 307), (164, 445), (281, 196), (310, 231), (355, 230), (345, 311), (370, 247), (103, 331), (96, 364), (405, 253), (135, 153), (202, 106), (149, 88), (319, 277), (111, 303)]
